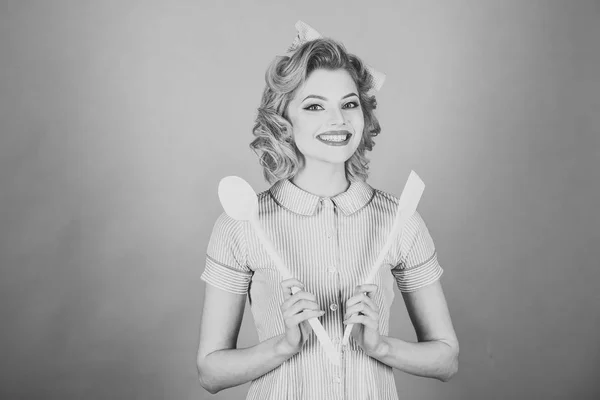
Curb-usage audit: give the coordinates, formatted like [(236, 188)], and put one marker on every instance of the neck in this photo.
[(322, 179)]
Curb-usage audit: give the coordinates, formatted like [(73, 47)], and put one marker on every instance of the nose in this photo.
[(336, 117)]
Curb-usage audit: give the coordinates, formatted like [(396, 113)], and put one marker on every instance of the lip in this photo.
[(333, 133)]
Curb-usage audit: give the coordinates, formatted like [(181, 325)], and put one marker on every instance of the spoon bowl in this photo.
[(238, 198)]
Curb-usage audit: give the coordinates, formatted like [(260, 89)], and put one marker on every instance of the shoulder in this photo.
[(382, 195), (384, 200), (270, 200), (229, 227), (264, 196)]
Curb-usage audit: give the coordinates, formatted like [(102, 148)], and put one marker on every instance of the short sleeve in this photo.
[(226, 257), (418, 266)]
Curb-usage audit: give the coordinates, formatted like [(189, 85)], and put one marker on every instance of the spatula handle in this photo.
[(407, 205)]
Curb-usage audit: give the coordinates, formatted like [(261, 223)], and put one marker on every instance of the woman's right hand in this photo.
[(297, 309)]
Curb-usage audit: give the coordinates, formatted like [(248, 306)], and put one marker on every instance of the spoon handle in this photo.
[(315, 324), (270, 249), (407, 205)]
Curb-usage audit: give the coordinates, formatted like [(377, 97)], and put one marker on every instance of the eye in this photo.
[(352, 104), (312, 107)]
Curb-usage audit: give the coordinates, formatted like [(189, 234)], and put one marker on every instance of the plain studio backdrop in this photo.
[(119, 118)]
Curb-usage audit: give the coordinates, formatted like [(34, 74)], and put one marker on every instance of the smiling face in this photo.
[(326, 116)]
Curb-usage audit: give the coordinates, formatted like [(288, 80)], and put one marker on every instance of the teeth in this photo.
[(334, 138)]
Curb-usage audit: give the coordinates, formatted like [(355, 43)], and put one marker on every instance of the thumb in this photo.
[(306, 330)]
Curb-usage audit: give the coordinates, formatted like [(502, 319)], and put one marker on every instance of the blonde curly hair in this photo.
[(274, 144)]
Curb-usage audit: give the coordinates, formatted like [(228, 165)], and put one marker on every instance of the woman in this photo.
[(315, 122)]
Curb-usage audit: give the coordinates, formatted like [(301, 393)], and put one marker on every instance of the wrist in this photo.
[(283, 348), (381, 350)]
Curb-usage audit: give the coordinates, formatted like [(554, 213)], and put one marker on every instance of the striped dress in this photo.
[(330, 245)]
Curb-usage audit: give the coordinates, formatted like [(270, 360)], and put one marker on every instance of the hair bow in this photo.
[(306, 33)]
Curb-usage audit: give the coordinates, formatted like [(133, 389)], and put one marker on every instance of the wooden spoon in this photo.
[(240, 202)]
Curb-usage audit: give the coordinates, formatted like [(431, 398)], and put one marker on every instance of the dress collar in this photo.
[(301, 202)]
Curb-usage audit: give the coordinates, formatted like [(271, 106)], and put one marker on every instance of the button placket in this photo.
[(330, 227), (340, 376), (331, 237), (329, 211)]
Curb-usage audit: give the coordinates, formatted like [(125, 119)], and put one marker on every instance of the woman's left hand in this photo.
[(362, 311)]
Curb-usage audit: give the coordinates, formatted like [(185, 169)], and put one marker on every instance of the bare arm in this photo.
[(436, 353), (220, 364)]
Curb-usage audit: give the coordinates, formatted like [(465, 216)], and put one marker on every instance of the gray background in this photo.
[(118, 119)]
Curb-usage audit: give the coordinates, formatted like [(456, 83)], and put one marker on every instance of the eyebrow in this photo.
[(325, 98)]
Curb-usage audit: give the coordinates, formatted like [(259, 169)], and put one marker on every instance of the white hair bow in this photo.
[(306, 33)]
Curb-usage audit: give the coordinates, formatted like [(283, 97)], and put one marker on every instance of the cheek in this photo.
[(359, 127), (358, 123)]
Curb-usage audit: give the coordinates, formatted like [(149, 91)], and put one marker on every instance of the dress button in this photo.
[(332, 270), (337, 379), (333, 307)]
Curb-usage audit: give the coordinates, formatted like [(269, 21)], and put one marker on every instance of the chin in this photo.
[(332, 155), (341, 159)]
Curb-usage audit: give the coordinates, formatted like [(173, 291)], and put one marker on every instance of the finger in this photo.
[(370, 303), (364, 308), (369, 288), (287, 285), (362, 319), (370, 313), (304, 316), (354, 309), (291, 282), (361, 298), (356, 299), (301, 295), (300, 306)]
